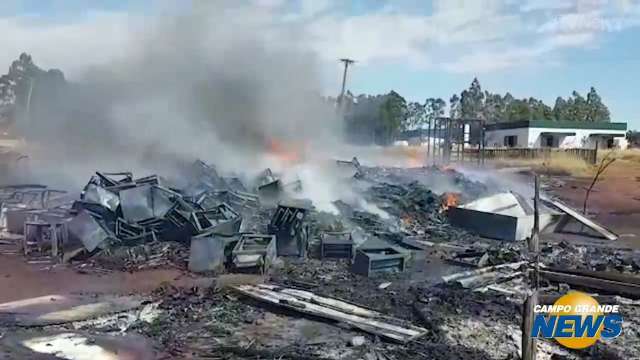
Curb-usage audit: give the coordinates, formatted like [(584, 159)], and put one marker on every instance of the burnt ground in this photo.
[(201, 317), (614, 201)]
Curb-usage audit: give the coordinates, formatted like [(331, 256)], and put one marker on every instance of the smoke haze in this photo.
[(209, 83)]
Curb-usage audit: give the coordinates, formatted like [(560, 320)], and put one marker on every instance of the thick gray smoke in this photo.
[(215, 83)]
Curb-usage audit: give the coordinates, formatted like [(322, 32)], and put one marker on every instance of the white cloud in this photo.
[(485, 61), (371, 38), (590, 22), (461, 36), (546, 5), (96, 39)]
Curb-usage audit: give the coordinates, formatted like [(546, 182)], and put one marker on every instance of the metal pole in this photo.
[(440, 140), (449, 125), (482, 139), (428, 138), (436, 140), (462, 136), (346, 62), (28, 110)]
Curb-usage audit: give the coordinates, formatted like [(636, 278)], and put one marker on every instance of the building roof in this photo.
[(553, 124)]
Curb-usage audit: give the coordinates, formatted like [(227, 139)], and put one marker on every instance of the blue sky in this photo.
[(539, 48)]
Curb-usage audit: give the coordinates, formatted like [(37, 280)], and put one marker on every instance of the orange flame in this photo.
[(448, 168), (448, 200), (406, 220), (287, 153)]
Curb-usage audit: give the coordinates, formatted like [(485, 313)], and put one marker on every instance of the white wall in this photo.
[(580, 140), (530, 137), (495, 138)]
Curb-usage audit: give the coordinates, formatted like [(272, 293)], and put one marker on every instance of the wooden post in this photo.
[(529, 343), (533, 244), (535, 234)]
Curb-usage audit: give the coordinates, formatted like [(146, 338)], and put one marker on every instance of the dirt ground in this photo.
[(199, 320), (20, 280), (614, 201)]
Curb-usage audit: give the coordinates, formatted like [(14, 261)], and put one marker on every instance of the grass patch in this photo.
[(630, 155), (556, 165)]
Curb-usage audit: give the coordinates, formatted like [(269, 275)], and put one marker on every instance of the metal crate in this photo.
[(336, 245), (254, 253), (289, 226), (368, 262)]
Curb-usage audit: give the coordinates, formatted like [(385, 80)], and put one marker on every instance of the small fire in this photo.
[(448, 200), (407, 156), (287, 153), (447, 168), (406, 220)]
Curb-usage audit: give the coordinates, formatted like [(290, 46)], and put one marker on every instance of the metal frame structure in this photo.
[(447, 139)]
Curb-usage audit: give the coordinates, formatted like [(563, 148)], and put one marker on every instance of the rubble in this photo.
[(357, 317), (254, 251), (392, 278), (503, 216), (599, 229)]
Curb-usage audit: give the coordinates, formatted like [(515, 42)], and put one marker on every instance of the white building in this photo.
[(556, 134)]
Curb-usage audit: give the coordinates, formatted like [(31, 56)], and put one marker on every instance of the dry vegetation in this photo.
[(632, 155), (557, 164), (561, 164)]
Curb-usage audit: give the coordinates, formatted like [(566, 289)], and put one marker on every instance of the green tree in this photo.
[(633, 137), (538, 110), (561, 109), (518, 110), (434, 108), (578, 108), (472, 101), (596, 110), (454, 106), (416, 116), (494, 107), (392, 114)]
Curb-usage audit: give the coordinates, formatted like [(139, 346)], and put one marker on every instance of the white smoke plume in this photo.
[(219, 82)]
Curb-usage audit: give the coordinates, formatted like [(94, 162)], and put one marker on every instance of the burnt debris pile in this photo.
[(124, 221), (116, 210), (389, 266)]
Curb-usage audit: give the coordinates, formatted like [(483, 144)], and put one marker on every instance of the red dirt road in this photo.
[(20, 280), (614, 201)]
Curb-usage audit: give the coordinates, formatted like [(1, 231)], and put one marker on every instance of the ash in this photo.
[(142, 224)]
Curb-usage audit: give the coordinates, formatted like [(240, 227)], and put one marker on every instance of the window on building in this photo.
[(548, 141), (510, 141)]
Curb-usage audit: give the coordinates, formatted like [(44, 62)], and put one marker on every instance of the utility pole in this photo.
[(346, 62), (28, 110)]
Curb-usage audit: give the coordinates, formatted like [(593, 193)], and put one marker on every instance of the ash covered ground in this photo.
[(206, 317), (138, 266)]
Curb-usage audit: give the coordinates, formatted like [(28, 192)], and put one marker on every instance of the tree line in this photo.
[(379, 118)]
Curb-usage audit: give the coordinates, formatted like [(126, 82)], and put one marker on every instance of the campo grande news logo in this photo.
[(577, 321)]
